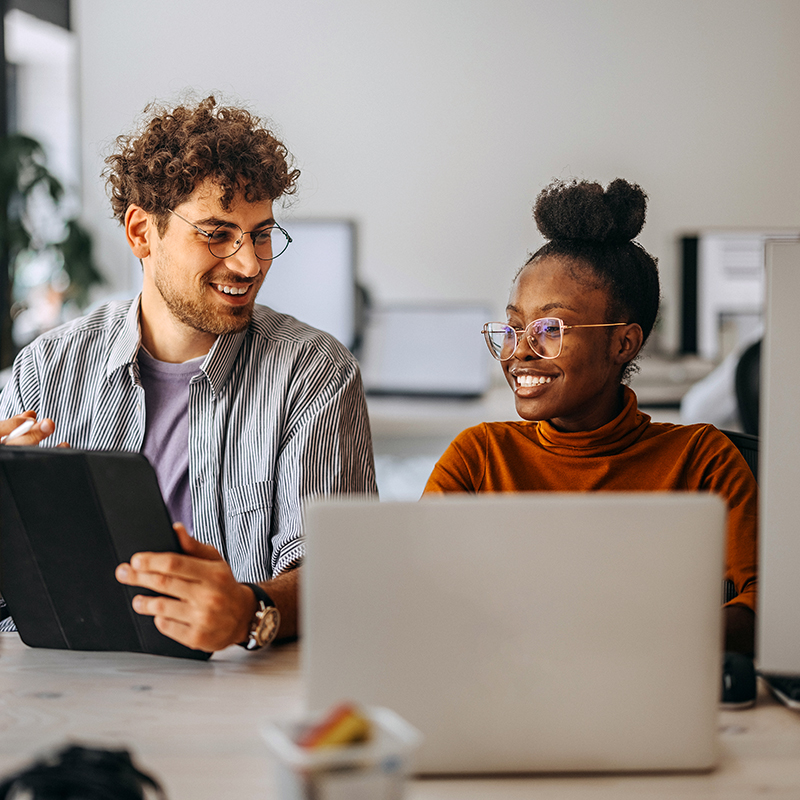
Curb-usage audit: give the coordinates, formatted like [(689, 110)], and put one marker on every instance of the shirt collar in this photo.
[(217, 365), (126, 342), (613, 437), (221, 358)]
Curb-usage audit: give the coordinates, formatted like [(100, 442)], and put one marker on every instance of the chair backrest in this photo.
[(747, 382), (747, 445)]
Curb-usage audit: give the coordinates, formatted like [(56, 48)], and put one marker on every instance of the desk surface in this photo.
[(195, 726)]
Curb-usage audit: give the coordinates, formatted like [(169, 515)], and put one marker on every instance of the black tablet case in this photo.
[(67, 519)]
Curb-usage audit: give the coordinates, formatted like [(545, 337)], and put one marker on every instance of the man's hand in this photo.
[(207, 609), (41, 429)]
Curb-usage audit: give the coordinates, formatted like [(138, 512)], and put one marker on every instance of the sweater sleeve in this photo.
[(726, 473), (461, 467)]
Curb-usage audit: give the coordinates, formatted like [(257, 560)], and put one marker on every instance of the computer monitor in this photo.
[(397, 357), (315, 280), (722, 288), (778, 625)]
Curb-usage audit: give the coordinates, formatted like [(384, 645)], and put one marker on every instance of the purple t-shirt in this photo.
[(166, 436)]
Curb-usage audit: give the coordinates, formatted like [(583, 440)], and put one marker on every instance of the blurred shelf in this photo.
[(663, 381)]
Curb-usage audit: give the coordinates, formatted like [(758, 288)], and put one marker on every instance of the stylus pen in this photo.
[(20, 430)]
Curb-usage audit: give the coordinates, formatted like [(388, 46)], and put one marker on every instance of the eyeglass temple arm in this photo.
[(597, 325)]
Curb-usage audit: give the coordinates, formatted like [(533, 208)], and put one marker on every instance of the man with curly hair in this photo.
[(243, 412)]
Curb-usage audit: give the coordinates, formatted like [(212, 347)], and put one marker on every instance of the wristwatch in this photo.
[(266, 620)]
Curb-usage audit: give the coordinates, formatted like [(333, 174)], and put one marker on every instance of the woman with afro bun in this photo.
[(580, 310)]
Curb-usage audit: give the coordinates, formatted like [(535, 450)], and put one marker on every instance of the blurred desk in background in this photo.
[(662, 382), (412, 425), (409, 434)]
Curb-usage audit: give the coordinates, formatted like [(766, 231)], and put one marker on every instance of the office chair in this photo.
[(747, 380), (747, 445)]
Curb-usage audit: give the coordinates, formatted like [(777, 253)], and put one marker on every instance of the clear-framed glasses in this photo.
[(227, 238), (545, 336)]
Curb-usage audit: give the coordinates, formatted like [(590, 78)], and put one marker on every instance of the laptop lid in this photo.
[(519, 633)]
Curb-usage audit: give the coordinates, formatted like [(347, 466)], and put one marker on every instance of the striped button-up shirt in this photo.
[(276, 415)]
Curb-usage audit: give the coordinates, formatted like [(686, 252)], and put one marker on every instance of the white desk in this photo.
[(194, 726)]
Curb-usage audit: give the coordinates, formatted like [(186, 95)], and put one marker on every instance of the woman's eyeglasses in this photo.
[(545, 336)]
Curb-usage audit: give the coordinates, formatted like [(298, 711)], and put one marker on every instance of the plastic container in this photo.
[(374, 770)]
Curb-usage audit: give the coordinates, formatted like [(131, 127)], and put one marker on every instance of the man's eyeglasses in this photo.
[(227, 238), (545, 336)]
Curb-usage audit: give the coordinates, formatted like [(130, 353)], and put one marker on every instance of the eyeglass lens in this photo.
[(269, 243), (543, 335)]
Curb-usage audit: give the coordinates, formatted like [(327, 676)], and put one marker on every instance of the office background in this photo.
[(434, 123)]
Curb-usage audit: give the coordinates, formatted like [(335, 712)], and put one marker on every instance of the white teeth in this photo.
[(232, 289), (531, 380)]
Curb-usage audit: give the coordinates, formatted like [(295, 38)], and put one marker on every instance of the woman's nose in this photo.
[(523, 349)]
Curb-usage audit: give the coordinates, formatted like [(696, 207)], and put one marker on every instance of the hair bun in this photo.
[(583, 210)]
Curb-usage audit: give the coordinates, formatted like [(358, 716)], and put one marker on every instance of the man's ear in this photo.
[(140, 229), (627, 342)]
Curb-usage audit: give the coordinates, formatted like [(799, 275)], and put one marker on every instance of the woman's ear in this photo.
[(139, 230), (627, 342)]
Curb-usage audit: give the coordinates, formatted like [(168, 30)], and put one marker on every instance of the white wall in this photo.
[(45, 56), (434, 123)]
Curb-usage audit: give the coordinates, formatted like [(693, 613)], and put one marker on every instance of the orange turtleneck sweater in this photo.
[(630, 453)]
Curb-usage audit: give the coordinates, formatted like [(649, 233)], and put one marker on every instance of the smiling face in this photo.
[(579, 390), (189, 296)]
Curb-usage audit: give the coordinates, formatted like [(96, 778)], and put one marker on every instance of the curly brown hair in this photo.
[(159, 166)]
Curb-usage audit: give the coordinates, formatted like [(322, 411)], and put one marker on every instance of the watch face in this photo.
[(266, 627)]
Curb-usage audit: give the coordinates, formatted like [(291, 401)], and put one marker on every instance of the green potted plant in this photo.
[(37, 236)]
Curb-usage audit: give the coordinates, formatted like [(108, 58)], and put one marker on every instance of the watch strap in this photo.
[(261, 595), (266, 620)]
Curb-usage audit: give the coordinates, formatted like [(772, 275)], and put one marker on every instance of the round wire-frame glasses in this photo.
[(545, 336), (226, 239)]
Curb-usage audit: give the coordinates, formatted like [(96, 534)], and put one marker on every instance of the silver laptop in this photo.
[(524, 633)]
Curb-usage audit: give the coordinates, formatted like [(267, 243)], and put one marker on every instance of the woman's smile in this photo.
[(580, 388)]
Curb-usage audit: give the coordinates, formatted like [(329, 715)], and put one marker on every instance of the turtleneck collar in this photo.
[(611, 438)]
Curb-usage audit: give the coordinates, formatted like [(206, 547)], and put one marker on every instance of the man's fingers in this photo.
[(192, 547), (168, 618), (183, 577), (158, 606), (159, 582), (203, 598), (188, 567), (8, 425), (197, 563), (195, 626), (181, 633), (34, 432)]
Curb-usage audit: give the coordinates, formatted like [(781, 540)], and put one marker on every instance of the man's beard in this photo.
[(199, 314)]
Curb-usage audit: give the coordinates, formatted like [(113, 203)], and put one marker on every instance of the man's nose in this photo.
[(244, 260)]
